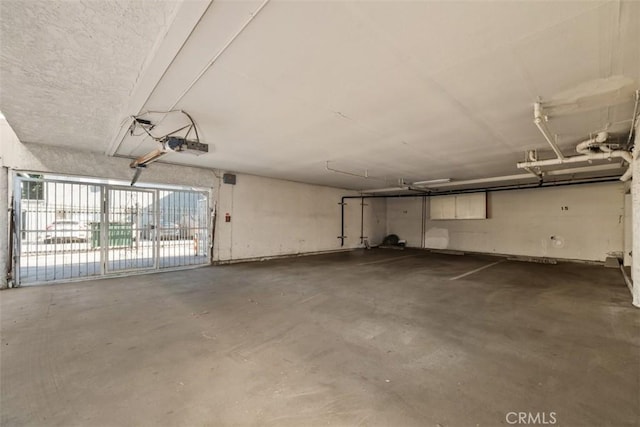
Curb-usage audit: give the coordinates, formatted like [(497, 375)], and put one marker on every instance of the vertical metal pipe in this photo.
[(55, 232), (423, 222), (65, 239), (214, 214), (156, 221), (362, 220), (342, 222), (181, 215), (89, 227), (178, 208), (104, 218), (539, 121), (4, 233), (39, 227), (16, 245)]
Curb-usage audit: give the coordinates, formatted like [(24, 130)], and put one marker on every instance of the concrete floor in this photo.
[(376, 337)]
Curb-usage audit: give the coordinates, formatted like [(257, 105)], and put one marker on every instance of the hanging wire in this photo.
[(148, 127)]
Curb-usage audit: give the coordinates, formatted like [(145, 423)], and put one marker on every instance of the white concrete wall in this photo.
[(404, 218), (628, 230), (271, 217), (635, 219), (4, 226), (527, 222), (375, 220)]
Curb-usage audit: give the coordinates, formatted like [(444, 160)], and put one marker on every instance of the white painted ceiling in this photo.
[(411, 90)]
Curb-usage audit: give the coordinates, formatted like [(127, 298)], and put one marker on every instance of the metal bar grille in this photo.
[(183, 232), (68, 230), (128, 213)]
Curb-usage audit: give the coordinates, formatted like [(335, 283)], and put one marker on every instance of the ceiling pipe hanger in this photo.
[(540, 121), (402, 186)]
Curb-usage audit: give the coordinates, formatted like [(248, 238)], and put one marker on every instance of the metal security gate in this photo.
[(182, 234), (52, 223), (65, 229), (127, 213)]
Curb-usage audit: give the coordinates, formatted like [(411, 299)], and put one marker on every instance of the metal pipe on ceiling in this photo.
[(591, 149), (583, 169), (539, 119), (536, 175), (366, 172), (599, 143), (519, 177), (625, 155), (596, 142)]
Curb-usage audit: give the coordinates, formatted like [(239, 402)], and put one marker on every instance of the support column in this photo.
[(635, 210), (4, 226)]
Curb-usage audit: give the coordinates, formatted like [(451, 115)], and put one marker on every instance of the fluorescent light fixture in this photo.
[(385, 190), (148, 158), (433, 181)]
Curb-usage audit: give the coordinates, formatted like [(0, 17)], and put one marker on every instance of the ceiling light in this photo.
[(386, 190), (433, 181)]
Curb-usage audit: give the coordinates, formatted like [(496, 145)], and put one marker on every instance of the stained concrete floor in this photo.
[(376, 337)]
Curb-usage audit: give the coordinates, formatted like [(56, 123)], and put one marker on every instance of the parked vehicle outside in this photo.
[(66, 231), (166, 231)]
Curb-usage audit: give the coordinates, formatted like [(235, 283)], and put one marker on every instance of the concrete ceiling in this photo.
[(411, 90), (68, 68)]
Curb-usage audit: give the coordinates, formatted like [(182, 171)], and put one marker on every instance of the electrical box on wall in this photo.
[(229, 178)]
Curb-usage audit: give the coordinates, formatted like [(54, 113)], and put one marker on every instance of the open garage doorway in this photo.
[(66, 228)]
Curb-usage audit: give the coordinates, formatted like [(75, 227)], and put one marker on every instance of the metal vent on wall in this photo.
[(229, 178)]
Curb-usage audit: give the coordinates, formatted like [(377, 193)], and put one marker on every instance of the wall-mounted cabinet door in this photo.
[(443, 207), (462, 206)]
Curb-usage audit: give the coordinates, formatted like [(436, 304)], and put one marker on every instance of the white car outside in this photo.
[(66, 231)]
